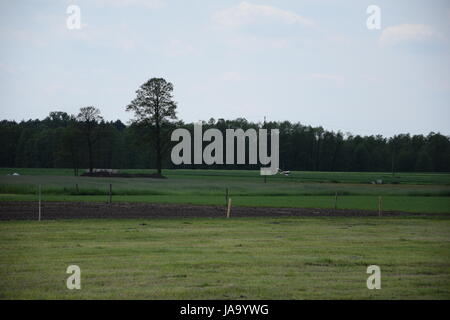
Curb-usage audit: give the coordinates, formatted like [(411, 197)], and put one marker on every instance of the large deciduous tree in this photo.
[(89, 118), (154, 107)]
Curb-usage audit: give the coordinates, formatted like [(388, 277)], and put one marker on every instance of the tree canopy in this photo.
[(154, 107), (57, 142)]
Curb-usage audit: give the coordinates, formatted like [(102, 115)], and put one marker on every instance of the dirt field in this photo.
[(86, 210)]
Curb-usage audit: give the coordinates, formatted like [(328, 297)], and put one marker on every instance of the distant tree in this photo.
[(88, 119), (10, 133), (119, 125), (361, 158), (424, 163), (154, 107), (69, 149), (393, 143), (25, 149), (406, 159), (59, 141), (439, 151), (57, 119)]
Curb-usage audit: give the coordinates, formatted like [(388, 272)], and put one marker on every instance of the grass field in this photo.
[(260, 258), (299, 176), (244, 258), (390, 203), (411, 192)]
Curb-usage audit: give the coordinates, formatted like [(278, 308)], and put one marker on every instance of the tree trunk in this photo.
[(393, 163), (74, 160), (91, 166), (158, 136), (158, 147)]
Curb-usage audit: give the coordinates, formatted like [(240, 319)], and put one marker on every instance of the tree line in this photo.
[(87, 141), (68, 141)]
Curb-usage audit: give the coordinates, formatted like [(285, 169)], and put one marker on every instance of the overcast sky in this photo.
[(311, 61)]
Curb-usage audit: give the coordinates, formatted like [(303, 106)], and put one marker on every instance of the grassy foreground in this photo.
[(267, 258)]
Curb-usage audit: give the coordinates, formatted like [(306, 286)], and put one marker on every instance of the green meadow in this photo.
[(409, 192), (246, 258)]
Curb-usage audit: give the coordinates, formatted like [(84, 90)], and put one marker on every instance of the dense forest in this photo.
[(62, 141)]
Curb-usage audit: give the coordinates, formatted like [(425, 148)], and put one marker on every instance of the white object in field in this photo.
[(286, 173), (103, 170), (15, 174)]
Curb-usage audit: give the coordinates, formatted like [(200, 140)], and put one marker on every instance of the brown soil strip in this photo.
[(123, 175), (93, 210)]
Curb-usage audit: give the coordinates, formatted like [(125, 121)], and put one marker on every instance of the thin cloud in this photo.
[(258, 42), (232, 76), (408, 33), (337, 79), (6, 68), (248, 13), (126, 3), (176, 48)]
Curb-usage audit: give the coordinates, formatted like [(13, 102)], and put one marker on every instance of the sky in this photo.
[(313, 61)]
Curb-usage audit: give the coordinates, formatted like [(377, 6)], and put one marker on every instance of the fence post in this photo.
[(226, 196), (39, 203), (380, 206), (335, 200), (110, 193), (229, 208)]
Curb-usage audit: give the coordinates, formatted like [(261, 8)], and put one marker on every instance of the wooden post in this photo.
[(110, 193), (226, 197), (264, 126), (39, 202), (380, 206), (76, 188), (229, 208), (335, 201)]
